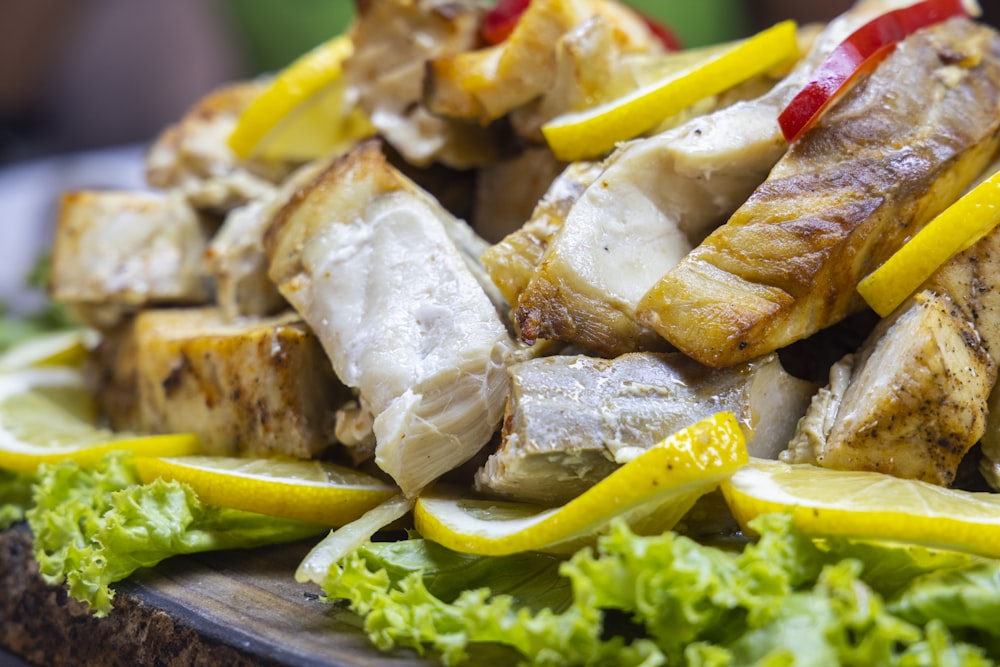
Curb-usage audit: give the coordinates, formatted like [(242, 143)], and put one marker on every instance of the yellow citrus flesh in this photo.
[(652, 492), (867, 505), (302, 114), (47, 415), (58, 348), (957, 228), (311, 491), (590, 133)]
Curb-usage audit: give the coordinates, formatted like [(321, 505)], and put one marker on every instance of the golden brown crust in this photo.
[(839, 203)]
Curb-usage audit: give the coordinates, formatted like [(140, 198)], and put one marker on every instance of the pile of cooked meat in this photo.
[(447, 295)]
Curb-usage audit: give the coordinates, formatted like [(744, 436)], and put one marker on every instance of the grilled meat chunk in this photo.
[(393, 39), (655, 198), (372, 264), (914, 399), (259, 387), (571, 420), (486, 84), (193, 156), (892, 153), (915, 402), (116, 252)]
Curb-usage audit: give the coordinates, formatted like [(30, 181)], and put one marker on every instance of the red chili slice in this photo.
[(498, 23), (861, 52)]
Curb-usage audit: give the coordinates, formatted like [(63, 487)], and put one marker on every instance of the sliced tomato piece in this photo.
[(860, 53)]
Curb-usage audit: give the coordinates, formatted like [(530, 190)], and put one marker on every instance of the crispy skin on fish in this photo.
[(378, 270), (571, 420), (116, 252), (891, 154)]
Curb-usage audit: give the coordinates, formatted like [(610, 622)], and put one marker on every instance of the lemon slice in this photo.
[(652, 492), (956, 229), (58, 348), (302, 115), (590, 133), (47, 415), (311, 491), (867, 505)]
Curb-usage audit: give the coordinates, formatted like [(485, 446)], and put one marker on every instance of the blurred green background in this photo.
[(273, 33)]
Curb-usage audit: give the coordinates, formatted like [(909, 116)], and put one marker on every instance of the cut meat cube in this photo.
[(259, 387), (571, 420), (376, 267), (116, 252)]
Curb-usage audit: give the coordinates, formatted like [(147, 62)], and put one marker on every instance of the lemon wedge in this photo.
[(592, 132), (302, 114), (312, 491), (954, 230), (867, 505), (47, 415), (652, 492), (57, 348)]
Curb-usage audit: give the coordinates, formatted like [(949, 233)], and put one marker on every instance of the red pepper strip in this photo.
[(666, 36), (499, 22), (861, 52)]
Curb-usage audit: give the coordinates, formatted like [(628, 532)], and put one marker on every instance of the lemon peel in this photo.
[(56, 348), (957, 228), (866, 505), (302, 114), (47, 415), (312, 491), (652, 491), (592, 132)]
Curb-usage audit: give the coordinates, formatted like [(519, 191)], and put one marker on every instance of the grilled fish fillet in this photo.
[(914, 399), (892, 153), (257, 387), (393, 40), (655, 199), (571, 420), (488, 83), (116, 252), (372, 264), (194, 158)]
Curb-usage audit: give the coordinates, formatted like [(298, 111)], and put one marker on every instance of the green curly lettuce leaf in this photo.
[(666, 599), (95, 526)]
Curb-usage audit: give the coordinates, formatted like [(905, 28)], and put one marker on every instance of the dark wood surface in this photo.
[(225, 608)]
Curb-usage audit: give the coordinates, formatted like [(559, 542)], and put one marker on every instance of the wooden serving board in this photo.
[(222, 608)]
